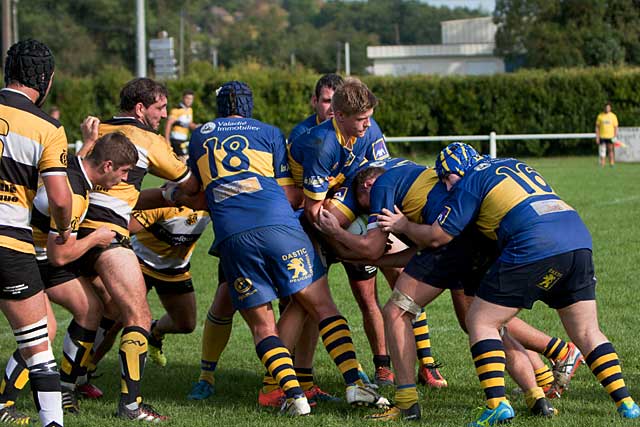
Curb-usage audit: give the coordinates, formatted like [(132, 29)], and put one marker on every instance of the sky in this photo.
[(487, 5)]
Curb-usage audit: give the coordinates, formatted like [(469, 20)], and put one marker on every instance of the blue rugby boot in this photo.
[(503, 413), (629, 410)]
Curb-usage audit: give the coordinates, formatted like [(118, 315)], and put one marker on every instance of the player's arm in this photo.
[(59, 196), (294, 195), (423, 235), (368, 246), (89, 128), (73, 248), (134, 225), (395, 260)]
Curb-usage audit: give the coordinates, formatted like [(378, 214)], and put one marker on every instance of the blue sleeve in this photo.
[(317, 169), (380, 197), (196, 151), (296, 132), (281, 169), (458, 210)]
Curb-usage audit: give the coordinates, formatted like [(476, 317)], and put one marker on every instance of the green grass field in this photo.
[(609, 202)]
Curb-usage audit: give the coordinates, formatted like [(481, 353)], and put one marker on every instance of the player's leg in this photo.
[(120, 272), (521, 370), (215, 336), (581, 323), (602, 151), (79, 299), (612, 153), (28, 319), (364, 289), (405, 305), (179, 301)]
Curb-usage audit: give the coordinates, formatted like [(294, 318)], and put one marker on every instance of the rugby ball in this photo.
[(359, 225)]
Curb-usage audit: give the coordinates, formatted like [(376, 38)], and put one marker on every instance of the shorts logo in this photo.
[(192, 218), (380, 150), (208, 127), (443, 215), (244, 287), (550, 278), (15, 289), (300, 263)]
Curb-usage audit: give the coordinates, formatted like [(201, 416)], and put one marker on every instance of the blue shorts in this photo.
[(266, 263)]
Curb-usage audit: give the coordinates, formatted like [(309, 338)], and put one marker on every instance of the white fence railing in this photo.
[(492, 138)]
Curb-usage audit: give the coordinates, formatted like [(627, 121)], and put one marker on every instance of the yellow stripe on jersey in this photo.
[(165, 277), (416, 196), (344, 209), (296, 170)]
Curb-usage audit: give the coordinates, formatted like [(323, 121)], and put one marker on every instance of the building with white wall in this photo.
[(467, 49)]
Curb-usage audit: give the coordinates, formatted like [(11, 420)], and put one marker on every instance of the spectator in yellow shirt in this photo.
[(606, 133)]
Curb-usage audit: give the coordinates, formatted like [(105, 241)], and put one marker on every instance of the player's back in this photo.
[(242, 164), (405, 185), (31, 143), (514, 205), (303, 127), (113, 207)]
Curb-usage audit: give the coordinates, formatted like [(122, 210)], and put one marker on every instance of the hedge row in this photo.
[(562, 101)]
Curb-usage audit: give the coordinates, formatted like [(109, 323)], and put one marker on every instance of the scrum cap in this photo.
[(457, 158), (234, 98), (30, 63)]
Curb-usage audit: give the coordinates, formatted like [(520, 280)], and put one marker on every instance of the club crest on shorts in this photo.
[(550, 278)]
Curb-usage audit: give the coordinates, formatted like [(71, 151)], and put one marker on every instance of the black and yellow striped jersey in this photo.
[(165, 246), (183, 117), (31, 143), (41, 220), (113, 207)]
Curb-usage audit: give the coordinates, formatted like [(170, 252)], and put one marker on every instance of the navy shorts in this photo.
[(268, 263), (558, 281), (460, 264)]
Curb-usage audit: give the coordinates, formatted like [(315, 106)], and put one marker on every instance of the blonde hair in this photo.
[(353, 97)]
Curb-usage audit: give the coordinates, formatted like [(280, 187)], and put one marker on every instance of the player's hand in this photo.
[(391, 222), (63, 236), (103, 236), (89, 128), (327, 223)]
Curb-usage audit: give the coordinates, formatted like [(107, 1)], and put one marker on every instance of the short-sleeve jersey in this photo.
[(31, 143), (112, 208), (303, 126), (41, 220), (322, 159), (183, 117), (606, 123), (242, 165), (512, 204), (166, 244), (409, 187)]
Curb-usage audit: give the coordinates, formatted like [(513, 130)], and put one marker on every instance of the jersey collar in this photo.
[(346, 143)]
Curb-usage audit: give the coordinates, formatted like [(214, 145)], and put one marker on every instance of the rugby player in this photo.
[(163, 240), (323, 159), (179, 123), (417, 192), (109, 163), (33, 145), (143, 104), (545, 254), (265, 254)]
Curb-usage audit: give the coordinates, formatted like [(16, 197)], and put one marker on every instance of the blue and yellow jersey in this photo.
[(183, 117), (414, 189), (41, 221), (303, 126), (513, 205), (344, 198), (322, 159), (31, 144), (113, 207), (242, 165), (166, 244)]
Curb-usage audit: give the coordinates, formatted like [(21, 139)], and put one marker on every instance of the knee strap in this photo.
[(405, 302)]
